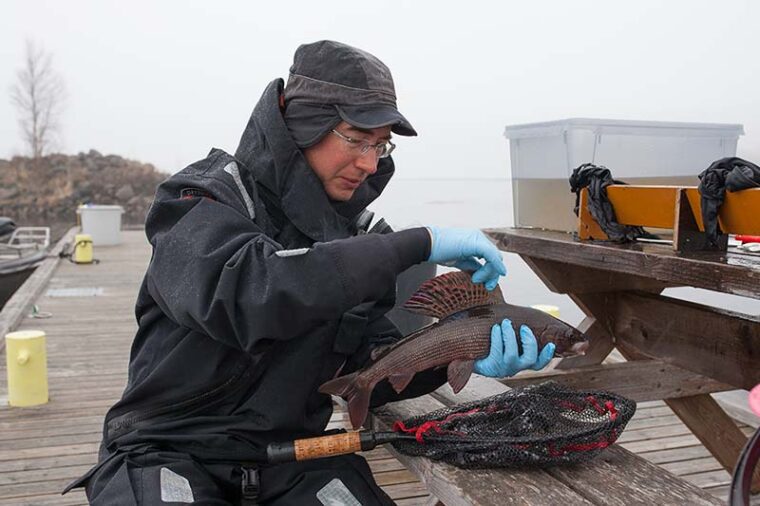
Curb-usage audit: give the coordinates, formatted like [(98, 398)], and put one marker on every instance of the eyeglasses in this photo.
[(382, 149)]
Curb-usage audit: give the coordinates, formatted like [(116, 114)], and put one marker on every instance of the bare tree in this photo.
[(38, 95)]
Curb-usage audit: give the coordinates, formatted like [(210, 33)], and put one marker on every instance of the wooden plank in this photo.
[(559, 279), (19, 491), (714, 428), (415, 501), (676, 454), (90, 448), (383, 465), (713, 342), (395, 477), (73, 498), (645, 412), (456, 486), (638, 380), (650, 445), (729, 272), (55, 473), (656, 421), (47, 462), (405, 490), (647, 433), (693, 466), (615, 476), (55, 430), (709, 478)]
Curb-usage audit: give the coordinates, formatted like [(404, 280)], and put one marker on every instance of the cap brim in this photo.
[(376, 116)]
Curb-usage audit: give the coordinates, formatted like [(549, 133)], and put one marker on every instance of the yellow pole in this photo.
[(83, 248), (27, 368)]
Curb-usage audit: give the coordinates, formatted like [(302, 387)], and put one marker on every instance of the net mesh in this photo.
[(540, 425)]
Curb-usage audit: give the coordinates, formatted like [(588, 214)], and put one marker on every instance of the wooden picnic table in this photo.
[(679, 351)]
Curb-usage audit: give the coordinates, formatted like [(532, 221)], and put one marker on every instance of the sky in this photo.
[(164, 81)]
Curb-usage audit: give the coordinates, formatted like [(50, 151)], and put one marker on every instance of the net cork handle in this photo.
[(319, 447)]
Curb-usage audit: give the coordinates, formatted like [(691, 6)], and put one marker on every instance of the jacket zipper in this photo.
[(126, 421)]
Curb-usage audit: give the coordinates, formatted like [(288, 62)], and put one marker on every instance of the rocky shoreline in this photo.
[(47, 190)]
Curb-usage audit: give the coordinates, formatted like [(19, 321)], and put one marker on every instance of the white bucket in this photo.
[(103, 223)]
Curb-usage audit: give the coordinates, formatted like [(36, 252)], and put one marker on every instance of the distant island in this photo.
[(47, 190)]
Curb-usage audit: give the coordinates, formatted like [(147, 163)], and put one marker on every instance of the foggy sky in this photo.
[(163, 82)]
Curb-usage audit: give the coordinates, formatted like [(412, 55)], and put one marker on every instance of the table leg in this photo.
[(715, 429)]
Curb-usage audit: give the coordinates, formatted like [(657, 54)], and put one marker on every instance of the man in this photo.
[(262, 287)]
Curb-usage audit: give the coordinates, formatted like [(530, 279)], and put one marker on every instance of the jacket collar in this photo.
[(269, 152)]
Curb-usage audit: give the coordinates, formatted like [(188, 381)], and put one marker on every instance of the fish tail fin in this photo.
[(354, 392), (451, 293)]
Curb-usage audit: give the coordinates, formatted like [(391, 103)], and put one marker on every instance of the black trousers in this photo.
[(165, 477)]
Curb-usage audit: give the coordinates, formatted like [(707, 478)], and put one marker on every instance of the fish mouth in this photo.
[(579, 348)]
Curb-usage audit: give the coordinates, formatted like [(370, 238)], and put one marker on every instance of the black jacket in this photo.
[(257, 292)]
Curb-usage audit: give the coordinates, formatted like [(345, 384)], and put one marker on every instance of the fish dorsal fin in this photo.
[(451, 293)]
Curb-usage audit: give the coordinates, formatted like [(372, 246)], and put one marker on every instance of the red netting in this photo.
[(541, 425)]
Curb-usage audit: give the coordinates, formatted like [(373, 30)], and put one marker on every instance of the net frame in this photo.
[(539, 425)]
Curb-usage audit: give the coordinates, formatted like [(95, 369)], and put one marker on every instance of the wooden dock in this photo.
[(89, 333)]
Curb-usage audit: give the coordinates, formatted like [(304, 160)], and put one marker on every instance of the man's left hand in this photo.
[(504, 359)]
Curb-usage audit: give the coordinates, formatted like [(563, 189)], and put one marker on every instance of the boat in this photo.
[(22, 250)]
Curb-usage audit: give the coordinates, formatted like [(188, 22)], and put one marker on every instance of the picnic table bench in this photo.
[(617, 476)]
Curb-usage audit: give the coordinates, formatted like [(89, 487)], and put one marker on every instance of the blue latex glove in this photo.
[(503, 359), (461, 248)]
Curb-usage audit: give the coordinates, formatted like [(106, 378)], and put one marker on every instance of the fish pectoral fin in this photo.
[(459, 372), (400, 381)]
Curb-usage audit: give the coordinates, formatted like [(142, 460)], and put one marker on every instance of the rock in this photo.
[(125, 193), (8, 193)]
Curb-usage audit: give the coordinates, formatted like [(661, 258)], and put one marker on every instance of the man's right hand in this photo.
[(462, 248)]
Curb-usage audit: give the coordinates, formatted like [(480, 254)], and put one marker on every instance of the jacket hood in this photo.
[(269, 152)]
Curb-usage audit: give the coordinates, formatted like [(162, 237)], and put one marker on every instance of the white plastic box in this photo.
[(103, 223), (543, 155)]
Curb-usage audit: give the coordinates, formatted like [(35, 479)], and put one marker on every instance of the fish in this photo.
[(465, 314)]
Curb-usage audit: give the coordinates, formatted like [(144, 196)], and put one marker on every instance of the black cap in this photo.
[(356, 83)]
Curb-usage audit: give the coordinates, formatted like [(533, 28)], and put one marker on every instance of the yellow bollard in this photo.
[(27, 368), (547, 308), (83, 249)]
